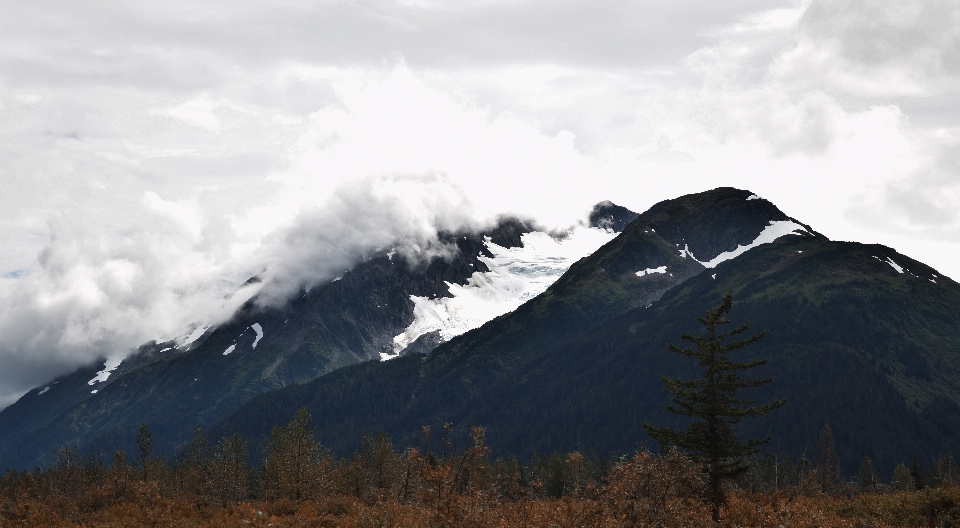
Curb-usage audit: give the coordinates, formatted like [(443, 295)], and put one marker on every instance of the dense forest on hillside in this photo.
[(438, 483)]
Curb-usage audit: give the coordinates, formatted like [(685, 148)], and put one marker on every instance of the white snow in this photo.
[(775, 230), (686, 253), (714, 276), (44, 391), (931, 280), (108, 368), (229, 349), (516, 275), (165, 349), (196, 334), (337, 278), (894, 265), (753, 197), (259, 330), (661, 269), (94, 391), (394, 252)]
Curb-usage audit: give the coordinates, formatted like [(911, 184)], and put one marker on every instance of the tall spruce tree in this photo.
[(711, 400)]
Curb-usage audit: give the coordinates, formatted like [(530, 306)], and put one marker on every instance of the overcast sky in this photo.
[(153, 155)]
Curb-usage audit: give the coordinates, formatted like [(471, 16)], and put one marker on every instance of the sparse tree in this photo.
[(944, 473), (711, 400), (229, 469), (830, 478), (189, 469), (902, 480), (787, 473), (867, 479), (295, 466), (916, 473), (145, 444)]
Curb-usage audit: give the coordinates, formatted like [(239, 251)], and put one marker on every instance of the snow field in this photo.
[(516, 275), (775, 230)]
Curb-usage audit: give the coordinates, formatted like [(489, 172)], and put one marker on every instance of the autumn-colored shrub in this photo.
[(301, 485)]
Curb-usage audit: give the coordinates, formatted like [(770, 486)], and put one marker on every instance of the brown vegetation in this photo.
[(300, 484)]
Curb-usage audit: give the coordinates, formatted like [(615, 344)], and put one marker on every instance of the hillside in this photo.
[(860, 337)]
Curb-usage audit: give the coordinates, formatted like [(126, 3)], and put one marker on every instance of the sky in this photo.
[(155, 155)]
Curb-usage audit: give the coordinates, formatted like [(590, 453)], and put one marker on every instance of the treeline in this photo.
[(822, 473), (300, 483)]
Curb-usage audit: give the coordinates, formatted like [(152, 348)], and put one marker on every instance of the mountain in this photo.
[(860, 337), (385, 307), (549, 351)]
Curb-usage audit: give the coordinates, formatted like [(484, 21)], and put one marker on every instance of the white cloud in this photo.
[(153, 155)]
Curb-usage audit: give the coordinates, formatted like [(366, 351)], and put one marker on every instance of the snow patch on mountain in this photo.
[(516, 275), (894, 265), (44, 391), (259, 330), (648, 271), (196, 334), (775, 230), (686, 253), (229, 349), (108, 367)]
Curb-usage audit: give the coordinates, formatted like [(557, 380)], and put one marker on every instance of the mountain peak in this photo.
[(608, 215), (713, 222)]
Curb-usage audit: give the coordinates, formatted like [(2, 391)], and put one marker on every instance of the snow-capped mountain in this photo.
[(550, 340), (383, 308), (859, 336)]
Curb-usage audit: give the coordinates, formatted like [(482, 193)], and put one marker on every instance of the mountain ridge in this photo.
[(827, 305), (861, 337)]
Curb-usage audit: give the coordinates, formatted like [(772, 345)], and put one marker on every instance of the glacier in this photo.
[(516, 275)]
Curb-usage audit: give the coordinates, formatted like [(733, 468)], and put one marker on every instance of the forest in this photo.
[(298, 482)]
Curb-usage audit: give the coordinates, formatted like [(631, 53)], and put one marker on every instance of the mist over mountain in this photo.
[(407, 295), (551, 341), (98, 297)]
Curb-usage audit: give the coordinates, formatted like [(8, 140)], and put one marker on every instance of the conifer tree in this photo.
[(830, 478), (711, 400), (916, 473), (944, 472), (230, 470), (145, 444), (867, 478), (294, 466), (902, 480)]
